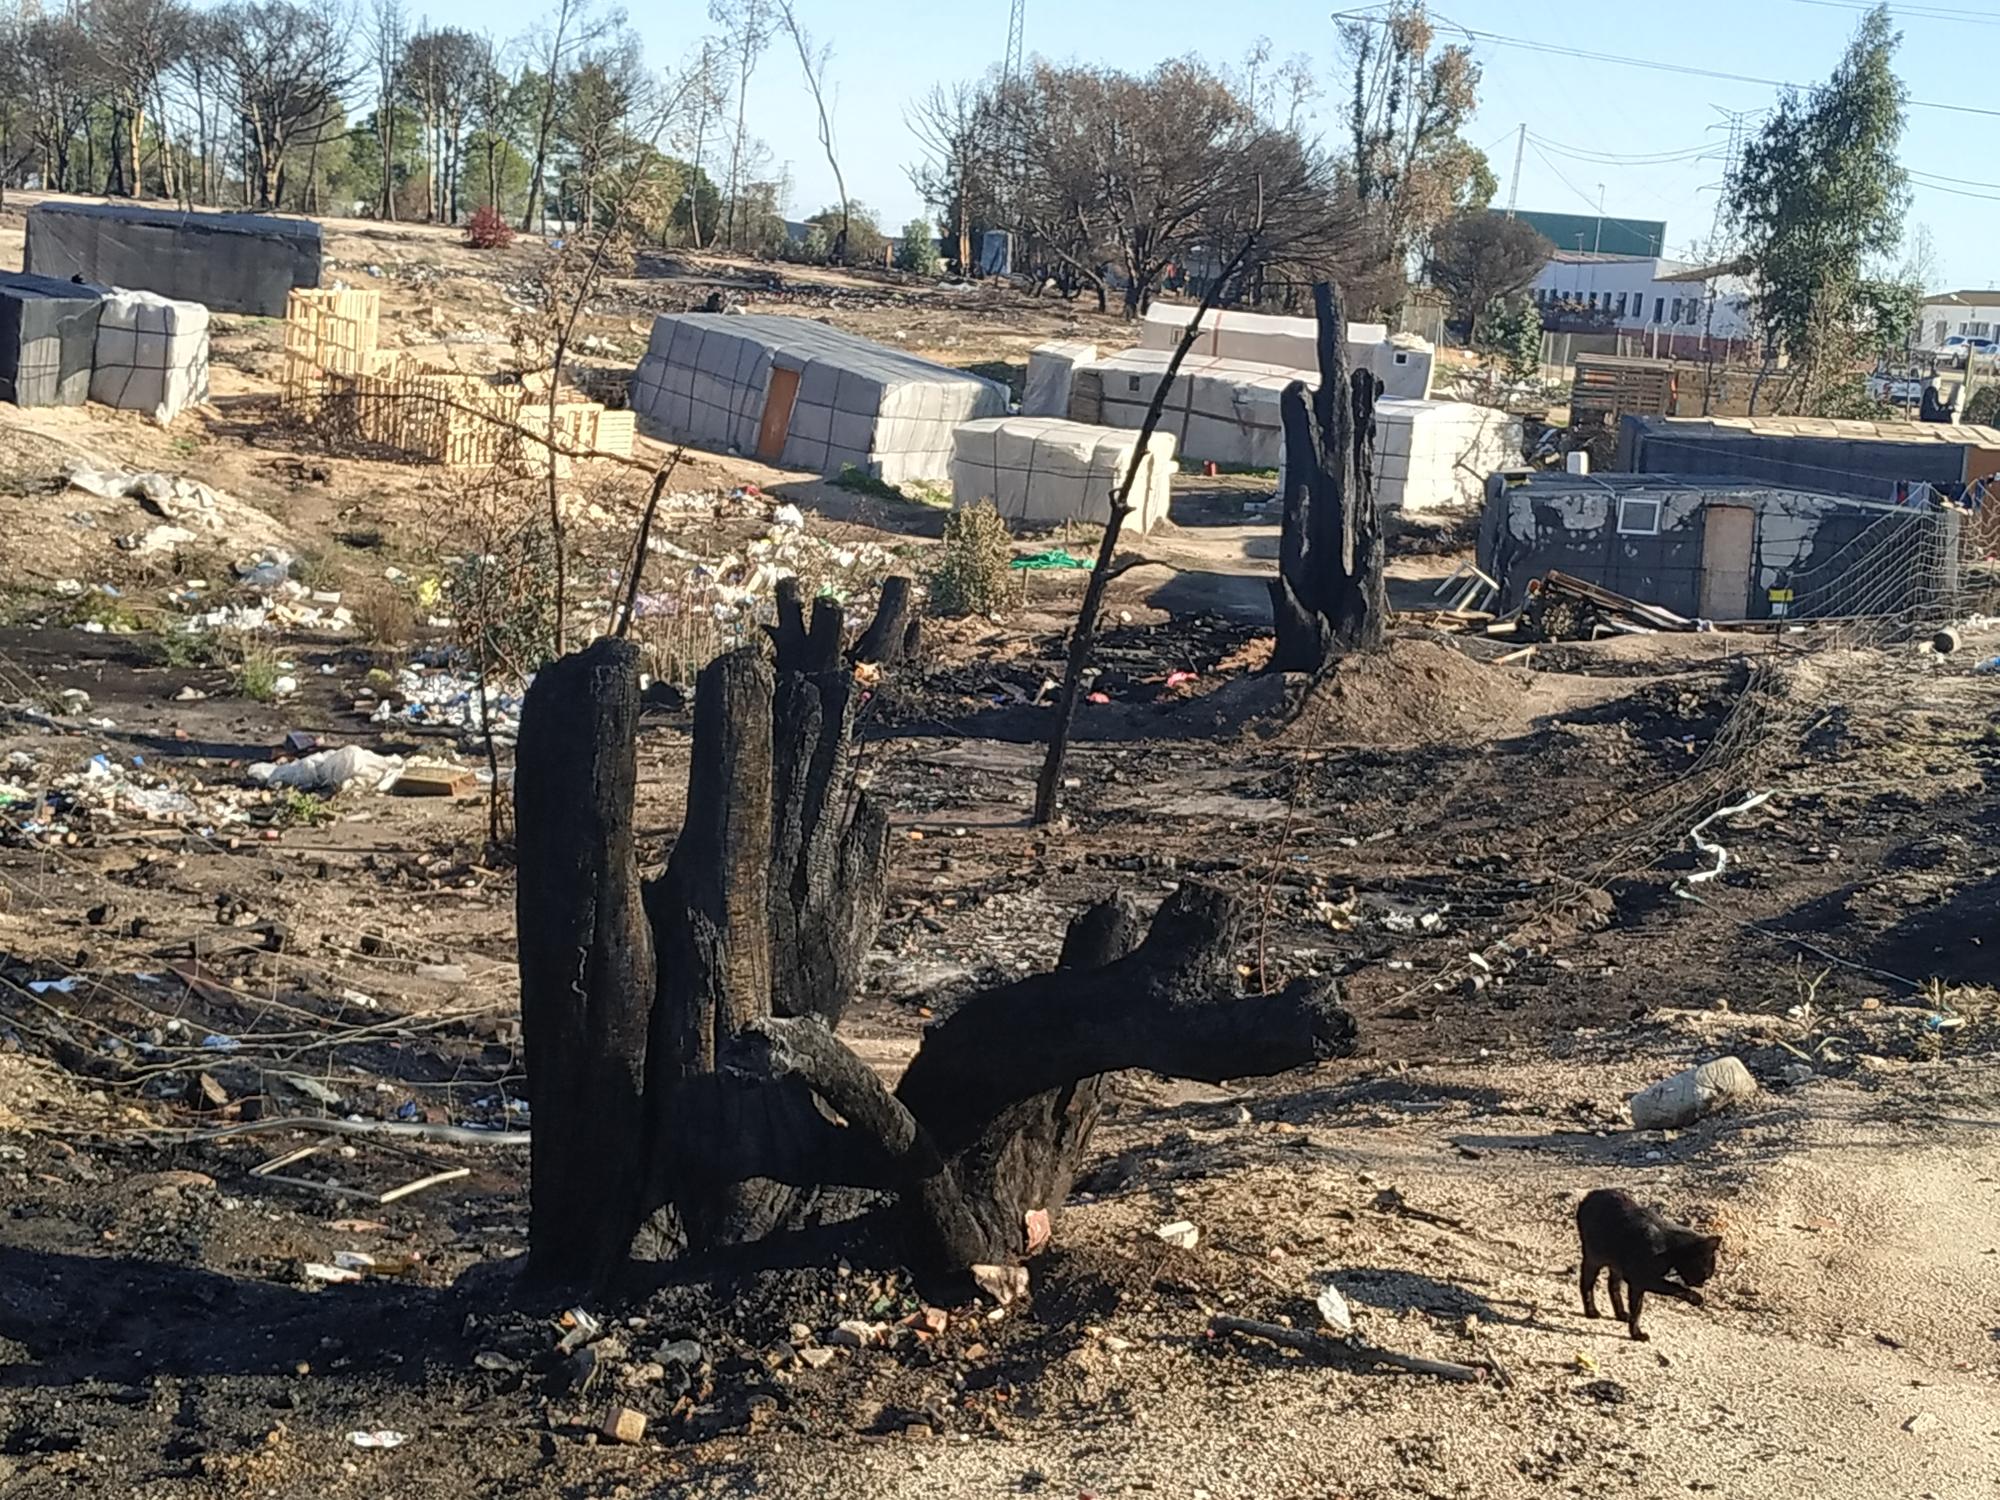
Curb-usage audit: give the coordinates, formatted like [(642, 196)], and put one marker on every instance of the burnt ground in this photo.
[(1491, 855), (163, 1333)]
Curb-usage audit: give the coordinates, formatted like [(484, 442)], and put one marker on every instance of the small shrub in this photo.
[(384, 617), (973, 574), (184, 650), (487, 230), (300, 809), (918, 253), (1982, 408), (257, 672)]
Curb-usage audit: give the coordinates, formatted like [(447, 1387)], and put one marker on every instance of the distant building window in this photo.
[(1593, 301), (1677, 311), (1621, 304), (1637, 517), (1659, 307)]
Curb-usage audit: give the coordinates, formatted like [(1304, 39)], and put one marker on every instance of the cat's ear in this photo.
[(1712, 1242)]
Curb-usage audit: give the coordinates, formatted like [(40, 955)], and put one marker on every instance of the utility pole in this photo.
[(1514, 187), (1597, 245)]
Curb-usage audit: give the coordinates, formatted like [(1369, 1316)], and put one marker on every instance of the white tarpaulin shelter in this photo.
[(1046, 470), (1402, 363), (152, 354), (1051, 374), (1434, 454), (1221, 410), (802, 395)]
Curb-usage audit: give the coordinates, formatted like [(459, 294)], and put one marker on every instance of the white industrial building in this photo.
[(1973, 314), (1667, 306)]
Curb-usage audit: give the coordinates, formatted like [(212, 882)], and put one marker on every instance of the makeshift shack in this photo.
[(1403, 362), (1044, 471), (1219, 410), (241, 263), (152, 355), (1052, 377), (1713, 548), (1431, 455), (1886, 461), (48, 329), (803, 395)]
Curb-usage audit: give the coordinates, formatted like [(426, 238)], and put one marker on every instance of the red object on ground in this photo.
[(1209, 468)]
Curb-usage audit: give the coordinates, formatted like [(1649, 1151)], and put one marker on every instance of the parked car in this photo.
[(1960, 346), (1899, 390)]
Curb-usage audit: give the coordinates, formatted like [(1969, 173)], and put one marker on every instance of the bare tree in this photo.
[(607, 116), (957, 127), (813, 65), (747, 26), (493, 115), (386, 41), (290, 67), (135, 42), (569, 31), (53, 55), (1147, 172), (1410, 168), (706, 96)]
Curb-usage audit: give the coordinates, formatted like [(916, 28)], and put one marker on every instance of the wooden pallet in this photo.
[(335, 372), (1616, 386)]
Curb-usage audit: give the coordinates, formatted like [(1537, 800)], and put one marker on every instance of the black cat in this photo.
[(1641, 1249)]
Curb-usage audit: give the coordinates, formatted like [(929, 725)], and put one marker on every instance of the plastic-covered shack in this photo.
[(1402, 362), (48, 329), (802, 395), (1221, 410), (152, 354), (1045, 471), (1051, 375), (241, 263), (1432, 455)]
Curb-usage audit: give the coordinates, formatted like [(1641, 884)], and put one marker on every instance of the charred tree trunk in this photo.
[(893, 637), (688, 1089), (1329, 594)]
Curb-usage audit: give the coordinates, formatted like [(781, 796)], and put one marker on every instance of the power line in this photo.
[(1914, 12), (1624, 159), (1653, 64)]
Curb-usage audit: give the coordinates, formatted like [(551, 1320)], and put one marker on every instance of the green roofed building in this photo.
[(1597, 236)]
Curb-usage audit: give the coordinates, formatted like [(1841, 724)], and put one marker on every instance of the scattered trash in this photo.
[(380, 1438), (1181, 1234), (582, 1326), (1333, 1310), (331, 1275), (1689, 1096), (219, 1043), (1039, 1231), (622, 1424), (1002, 1283), (331, 770)]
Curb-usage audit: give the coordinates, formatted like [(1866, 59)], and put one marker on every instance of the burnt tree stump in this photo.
[(1329, 594), (689, 1091)]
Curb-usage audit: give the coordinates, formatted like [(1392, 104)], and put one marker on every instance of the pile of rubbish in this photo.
[(736, 587), (100, 797), (436, 694)]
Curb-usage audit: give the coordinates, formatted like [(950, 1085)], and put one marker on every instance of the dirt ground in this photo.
[(1491, 854)]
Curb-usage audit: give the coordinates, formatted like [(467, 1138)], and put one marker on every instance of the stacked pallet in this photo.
[(337, 376)]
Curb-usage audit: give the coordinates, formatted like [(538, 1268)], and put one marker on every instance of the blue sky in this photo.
[(886, 52)]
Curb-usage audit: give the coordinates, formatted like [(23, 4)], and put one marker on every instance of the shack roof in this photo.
[(805, 339), (1964, 435), (268, 225)]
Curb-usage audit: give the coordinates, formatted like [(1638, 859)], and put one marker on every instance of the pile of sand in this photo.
[(1415, 692)]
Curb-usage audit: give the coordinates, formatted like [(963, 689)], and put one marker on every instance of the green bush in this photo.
[(1982, 407), (972, 575), (918, 254)]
